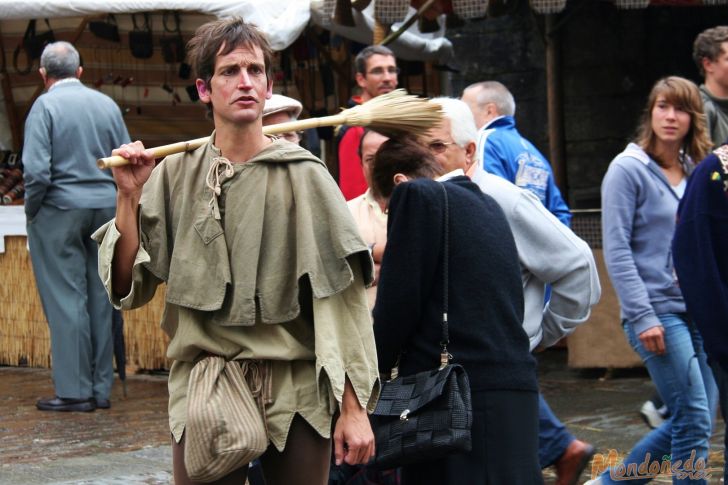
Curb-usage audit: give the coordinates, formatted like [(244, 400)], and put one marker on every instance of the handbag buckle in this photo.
[(403, 416)]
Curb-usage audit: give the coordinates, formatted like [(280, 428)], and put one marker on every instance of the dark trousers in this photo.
[(65, 264), (505, 445), (721, 378)]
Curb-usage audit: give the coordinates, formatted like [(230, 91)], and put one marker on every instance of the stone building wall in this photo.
[(609, 60)]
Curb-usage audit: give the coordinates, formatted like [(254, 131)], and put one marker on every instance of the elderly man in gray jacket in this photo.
[(549, 253), (66, 199)]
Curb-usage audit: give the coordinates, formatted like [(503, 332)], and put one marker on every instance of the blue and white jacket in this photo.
[(504, 152)]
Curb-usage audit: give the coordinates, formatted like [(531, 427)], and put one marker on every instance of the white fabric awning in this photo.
[(412, 45), (282, 20)]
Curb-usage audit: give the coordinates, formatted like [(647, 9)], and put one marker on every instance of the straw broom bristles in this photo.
[(396, 113), (393, 113)]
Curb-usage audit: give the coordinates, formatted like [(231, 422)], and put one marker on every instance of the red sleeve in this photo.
[(351, 177)]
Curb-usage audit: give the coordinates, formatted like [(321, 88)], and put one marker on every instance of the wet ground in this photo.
[(129, 443)]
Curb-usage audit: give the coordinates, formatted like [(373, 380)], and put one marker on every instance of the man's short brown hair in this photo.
[(361, 59), (709, 44), (401, 155), (222, 37)]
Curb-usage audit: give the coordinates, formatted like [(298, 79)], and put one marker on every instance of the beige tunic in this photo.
[(372, 224), (280, 277)]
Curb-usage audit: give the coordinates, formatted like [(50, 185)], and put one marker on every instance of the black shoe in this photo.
[(63, 404), (102, 403)]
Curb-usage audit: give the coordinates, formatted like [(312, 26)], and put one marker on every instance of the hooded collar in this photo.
[(637, 152)]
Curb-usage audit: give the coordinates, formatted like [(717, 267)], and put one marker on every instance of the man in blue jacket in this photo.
[(504, 152), (701, 262)]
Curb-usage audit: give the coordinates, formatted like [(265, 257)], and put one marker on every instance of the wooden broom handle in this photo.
[(184, 146)]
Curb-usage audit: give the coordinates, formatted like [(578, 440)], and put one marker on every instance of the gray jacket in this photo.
[(549, 253), (67, 130), (716, 114)]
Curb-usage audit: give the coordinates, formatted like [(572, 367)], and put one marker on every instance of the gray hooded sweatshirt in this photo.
[(638, 221)]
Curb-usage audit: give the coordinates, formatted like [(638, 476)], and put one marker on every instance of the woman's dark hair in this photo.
[(405, 156)]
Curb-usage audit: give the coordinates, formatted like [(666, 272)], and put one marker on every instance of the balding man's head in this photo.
[(60, 60), (489, 100)]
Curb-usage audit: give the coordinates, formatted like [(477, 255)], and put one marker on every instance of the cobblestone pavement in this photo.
[(602, 408), (126, 444), (129, 444)]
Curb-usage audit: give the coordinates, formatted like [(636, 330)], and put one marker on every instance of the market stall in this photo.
[(316, 42), (24, 336), (131, 52)]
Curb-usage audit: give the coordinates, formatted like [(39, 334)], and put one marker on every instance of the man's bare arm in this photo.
[(130, 180)]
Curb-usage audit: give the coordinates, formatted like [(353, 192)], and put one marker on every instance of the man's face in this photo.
[(369, 146), (448, 154), (238, 87), (380, 76), (717, 70), (282, 117)]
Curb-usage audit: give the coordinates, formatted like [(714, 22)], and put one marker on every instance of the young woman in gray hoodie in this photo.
[(640, 195)]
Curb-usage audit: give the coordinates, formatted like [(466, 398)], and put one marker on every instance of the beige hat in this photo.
[(278, 103)]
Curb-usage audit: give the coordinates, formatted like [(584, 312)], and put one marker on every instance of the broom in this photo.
[(391, 114)]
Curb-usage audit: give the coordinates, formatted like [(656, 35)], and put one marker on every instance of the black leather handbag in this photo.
[(173, 46), (32, 44), (427, 415), (35, 42), (141, 40), (105, 29)]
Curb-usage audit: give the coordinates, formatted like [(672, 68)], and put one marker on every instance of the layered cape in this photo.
[(295, 223)]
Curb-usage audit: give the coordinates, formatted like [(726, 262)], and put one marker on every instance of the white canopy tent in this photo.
[(282, 20)]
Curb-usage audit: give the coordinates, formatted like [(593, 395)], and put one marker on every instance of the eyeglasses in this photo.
[(379, 71), (439, 146)]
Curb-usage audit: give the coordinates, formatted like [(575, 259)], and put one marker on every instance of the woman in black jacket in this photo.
[(485, 313)]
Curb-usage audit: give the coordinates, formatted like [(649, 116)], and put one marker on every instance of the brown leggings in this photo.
[(304, 461)]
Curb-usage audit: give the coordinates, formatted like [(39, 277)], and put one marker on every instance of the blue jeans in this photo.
[(553, 437), (685, 382)]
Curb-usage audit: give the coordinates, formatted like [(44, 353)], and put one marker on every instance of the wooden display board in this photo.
[(24, 335), (600, 342)]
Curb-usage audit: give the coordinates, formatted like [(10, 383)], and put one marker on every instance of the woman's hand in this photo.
[(653, 339), (131, 178)]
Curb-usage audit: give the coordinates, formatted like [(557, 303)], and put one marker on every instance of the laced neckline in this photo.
[(220, 169)]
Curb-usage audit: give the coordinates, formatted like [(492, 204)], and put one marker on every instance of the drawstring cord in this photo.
[(258, 376), (214, 178)]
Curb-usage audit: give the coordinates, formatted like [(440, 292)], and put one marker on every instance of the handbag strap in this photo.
[(145, 27), (30, 30), (175, 28), (445, 355), (48, 24), (445, 339)]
